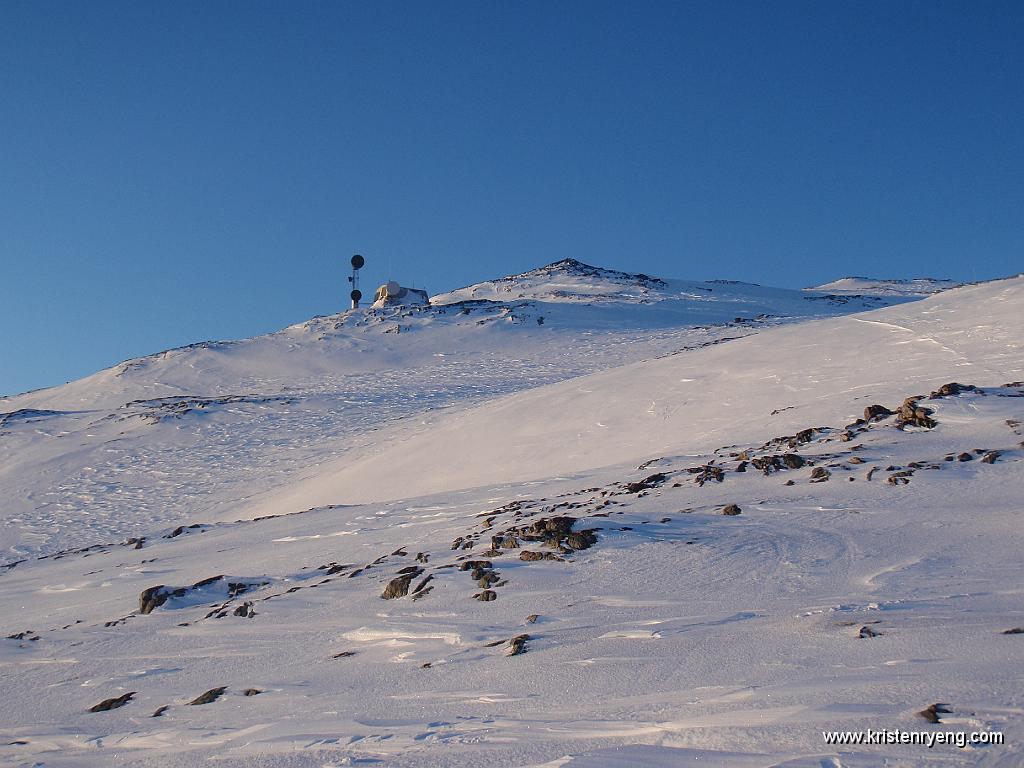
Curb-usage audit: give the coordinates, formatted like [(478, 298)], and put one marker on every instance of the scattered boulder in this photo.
[(581, 539), (532, 618), (990, 457), (154, 597), (912, 414), (805, 435), (1014, 631), (160, 711), (107, 704), (931, 714), (793, 461), (876, 412), (209, 697), (948, 390), (855, 460), (517, 645), (900, 478), (652, 481), (486, 596), (251, 692), (820, 475), (530, 556), (965, 457), (399, 586), (731, 510), (866, 631)]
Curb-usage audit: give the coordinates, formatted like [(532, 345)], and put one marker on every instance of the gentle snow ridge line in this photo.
[(694, 402)]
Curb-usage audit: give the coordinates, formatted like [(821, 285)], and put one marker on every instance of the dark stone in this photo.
[(531, 556), (948, 390), (486, 596), (805, 435), (581, 540), (209, 697), (399, 586), (1014, 631), (820, 474), (990, 457), (867, 631), (965, 457), (108, 704), (160, 711), (931, 714), (251, 692), (731, 509), (876, 412), (343, 654), (793, 461), (532, 618), (517, 645), (473, 564), (652, 481)]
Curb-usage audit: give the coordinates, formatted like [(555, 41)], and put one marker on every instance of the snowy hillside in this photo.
[(867, 286), (202, 430), (674, 523)]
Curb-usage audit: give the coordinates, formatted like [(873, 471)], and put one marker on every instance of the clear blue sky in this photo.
[(172, 172)]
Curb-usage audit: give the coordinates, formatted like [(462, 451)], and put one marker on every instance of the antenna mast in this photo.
[(357, 263)]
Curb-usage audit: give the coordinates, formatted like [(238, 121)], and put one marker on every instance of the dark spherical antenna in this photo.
[(358, 262), (356, 295)]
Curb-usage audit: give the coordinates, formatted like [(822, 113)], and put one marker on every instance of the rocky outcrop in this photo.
[(114, 703), (208, 697)]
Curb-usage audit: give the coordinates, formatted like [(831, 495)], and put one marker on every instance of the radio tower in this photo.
[(356, 294)]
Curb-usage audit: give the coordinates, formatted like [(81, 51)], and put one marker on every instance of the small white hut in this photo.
[(391, 294)]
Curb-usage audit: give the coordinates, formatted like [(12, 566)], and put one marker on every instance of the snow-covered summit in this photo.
[(869, 286)]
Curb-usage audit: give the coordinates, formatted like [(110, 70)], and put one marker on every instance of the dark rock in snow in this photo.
[(486, 596), (867, 631), (731, 509), (399, 586), (965, 457), (876, 412), (948, 390), (793, 461), (931, 714), (209, 697), (990, 457), (653, 481), (517, 645), (108, 704)]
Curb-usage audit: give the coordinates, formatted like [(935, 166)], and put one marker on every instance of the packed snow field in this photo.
[(671, 523)]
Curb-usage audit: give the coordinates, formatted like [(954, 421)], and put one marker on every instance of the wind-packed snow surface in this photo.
[(658, 528)]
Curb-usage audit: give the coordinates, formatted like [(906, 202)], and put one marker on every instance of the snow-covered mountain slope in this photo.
[(868, 286), (866, 573), (656, 541), (200, 430), (691, 401)]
